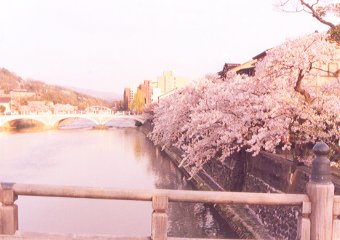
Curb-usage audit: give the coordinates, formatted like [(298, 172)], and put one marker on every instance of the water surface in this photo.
[(120, 158)]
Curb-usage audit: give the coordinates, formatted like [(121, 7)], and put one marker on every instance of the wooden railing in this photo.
[(160, 199), (320, 209)]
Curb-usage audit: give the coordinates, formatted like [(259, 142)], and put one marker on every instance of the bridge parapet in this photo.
[(52, 120)]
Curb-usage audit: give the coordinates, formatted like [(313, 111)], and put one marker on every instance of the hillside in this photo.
[(44, 92)]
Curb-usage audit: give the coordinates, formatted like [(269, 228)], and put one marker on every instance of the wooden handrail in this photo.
[(159, 198), (173, 195)]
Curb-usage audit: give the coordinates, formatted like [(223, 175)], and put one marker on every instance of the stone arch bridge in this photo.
[(53, 120)]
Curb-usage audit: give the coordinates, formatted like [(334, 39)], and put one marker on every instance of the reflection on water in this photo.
[(79, 123), (114, 158)]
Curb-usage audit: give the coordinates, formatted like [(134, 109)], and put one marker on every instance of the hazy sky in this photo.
[(111, 44)]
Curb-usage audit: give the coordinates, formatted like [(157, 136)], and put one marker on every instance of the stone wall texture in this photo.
[(268, 173)]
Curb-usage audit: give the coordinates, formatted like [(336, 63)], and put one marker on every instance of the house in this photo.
[(38, 107), (247, 68), (321, 74), (64, 108), (21, 93), (329, 72), (226, 68), (6, 103)]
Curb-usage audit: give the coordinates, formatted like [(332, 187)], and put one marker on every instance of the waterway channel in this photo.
[(120, 157)]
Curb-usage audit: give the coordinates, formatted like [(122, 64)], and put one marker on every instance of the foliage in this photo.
[(138, 102), (2, 109), (278, 107)]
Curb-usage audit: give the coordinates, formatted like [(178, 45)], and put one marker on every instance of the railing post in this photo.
[(304, 222), (8, 210), (336, 220), (159, 225), (320, 190)]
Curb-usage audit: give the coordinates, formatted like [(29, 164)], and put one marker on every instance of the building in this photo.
[(127, 98), (156, 93), (247, 68), (146, 89), (6, 103), (38, 107), (169, 82), (160, 97), (18, 95), (21, 93), (152, 90), (129, 94), (64, 108), (322, 74), (226, 68)]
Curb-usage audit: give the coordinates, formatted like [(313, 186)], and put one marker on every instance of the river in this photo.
[(120, 157)]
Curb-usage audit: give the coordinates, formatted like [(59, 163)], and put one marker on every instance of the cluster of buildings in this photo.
[(15, 102), (166, 84), (153, 91)]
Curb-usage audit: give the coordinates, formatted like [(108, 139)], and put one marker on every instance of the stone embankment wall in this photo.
[(263, 173)]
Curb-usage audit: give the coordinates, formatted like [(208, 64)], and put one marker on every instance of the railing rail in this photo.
[(159, 197), (147, 195)]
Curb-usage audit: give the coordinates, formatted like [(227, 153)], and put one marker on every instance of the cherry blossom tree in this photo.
[(284, 105), (172, 114)]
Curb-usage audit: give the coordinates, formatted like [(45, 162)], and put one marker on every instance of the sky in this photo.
[(107, 45)]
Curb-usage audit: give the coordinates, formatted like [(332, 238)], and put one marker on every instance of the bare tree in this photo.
[(319, 9)]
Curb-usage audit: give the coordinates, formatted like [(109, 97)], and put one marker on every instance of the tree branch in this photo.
[(299, 89), (315, 14)]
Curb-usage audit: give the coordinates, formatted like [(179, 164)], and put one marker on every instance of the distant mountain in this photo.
[(108, 96), (44, 92), (9, 80)]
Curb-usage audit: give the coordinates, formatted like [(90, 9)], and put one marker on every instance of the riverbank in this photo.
[(240, 218), (269, 173)]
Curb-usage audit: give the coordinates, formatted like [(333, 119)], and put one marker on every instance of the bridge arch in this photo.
[(43, 121), (56, 122)]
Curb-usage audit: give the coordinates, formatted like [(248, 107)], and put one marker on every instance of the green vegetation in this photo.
[(138, 102)]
